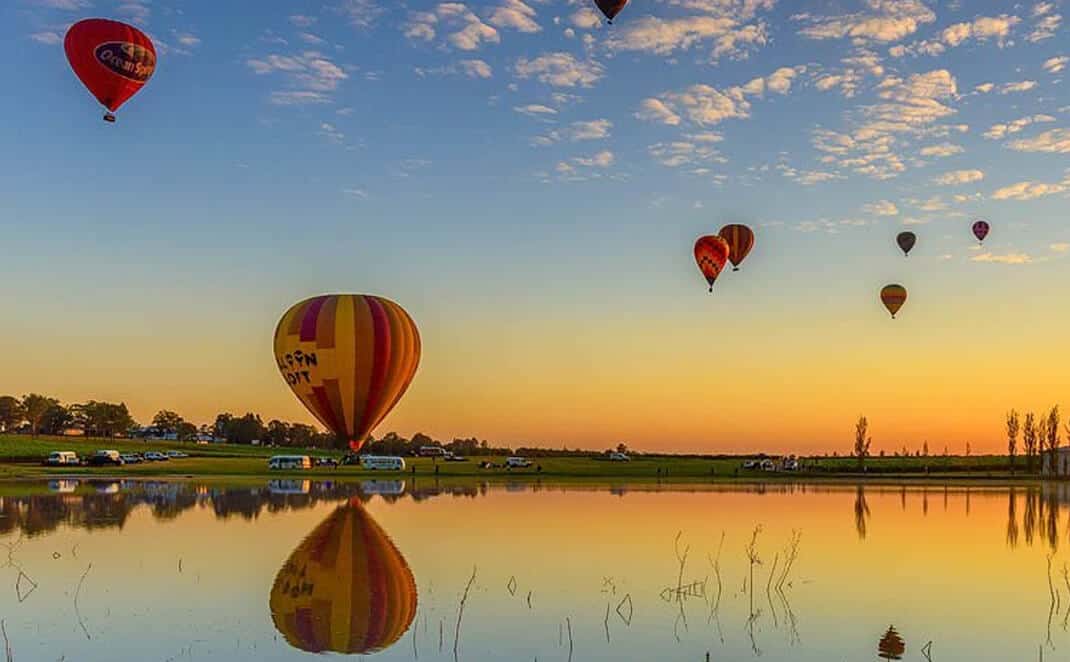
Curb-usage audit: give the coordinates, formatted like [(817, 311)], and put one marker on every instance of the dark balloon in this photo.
[(113, 60), (981, 229), (610, 7), (906, 241), (893, 297), (711, 253), (740, 240)]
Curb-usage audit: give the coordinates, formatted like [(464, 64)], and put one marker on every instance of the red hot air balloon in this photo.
[(740, 240), (906, 241), (711, 253), (980, 230), (893, 297), (113, 60), (610, 8)]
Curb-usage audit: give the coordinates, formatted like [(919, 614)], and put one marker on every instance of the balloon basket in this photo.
[(109, 117)]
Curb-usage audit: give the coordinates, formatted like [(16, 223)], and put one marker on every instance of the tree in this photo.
[(1052, 429), (102, 419), (167, 421), (244, 430), (11, 413), (186, 431), (34, 407), (220, 428), (862, 441), (925, 449), (1012, 436), (622, 448), (967, 449), (55, 419), (1029, 440)]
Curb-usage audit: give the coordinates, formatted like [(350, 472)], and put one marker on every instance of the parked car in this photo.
[(326, 462), (61, 458), (350, 458), (131, 458), (432, 451), (176, 454), (105, 457), (450, 457), (517, 463), (619, 457), (752, 464), (155, 456)]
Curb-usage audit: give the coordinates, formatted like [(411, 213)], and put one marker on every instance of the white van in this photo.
[(382, 463), (290, 462), (61, 458), (517, 462)]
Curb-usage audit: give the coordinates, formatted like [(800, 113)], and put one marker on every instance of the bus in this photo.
[(290, 462), (432, 451), (382, 463)]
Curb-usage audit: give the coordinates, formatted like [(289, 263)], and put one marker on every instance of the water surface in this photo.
[(297, 569)]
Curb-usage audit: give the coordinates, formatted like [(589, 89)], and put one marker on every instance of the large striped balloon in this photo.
[(740, 240), (346, 588), (349, 359), (893, 297)]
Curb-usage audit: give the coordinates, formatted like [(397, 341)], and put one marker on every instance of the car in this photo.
[(751, 464), (432, 451), (176, 454), (61, 458), (104, 458), (450, 457), (350, 458), (131, 458), (619, 457), (517, 463), (155, 456), (326, 462)]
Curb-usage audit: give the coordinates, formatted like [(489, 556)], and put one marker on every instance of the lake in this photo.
[(285, 570)]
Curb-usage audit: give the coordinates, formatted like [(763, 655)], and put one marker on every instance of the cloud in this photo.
[(464, 30), (655, 110), (662, 36), (535, 110), (807, 177), (984, 88), (1046, 22), (1021, 86), (700, 104), (356, 193), (331, 133), (48, 38), (999, 131), (1059, 247), (311, 76), (941, 150), (1008, 258), (881, 208), (1056, 64), (586, 19), (881, 21), (1053, 141), (981, 28), (1031, 190), (475, 68), (560, 69), (680, 153), (581, 168), (779, 81), (516, 15), (66, 5), (302, 21), (360, 13), (576, 132), (959, 177), (136, 10)]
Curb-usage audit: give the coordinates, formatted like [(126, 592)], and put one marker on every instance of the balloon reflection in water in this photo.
[(891, 646), (346, 588)]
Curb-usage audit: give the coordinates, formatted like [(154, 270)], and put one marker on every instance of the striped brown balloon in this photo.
[(740, 240)]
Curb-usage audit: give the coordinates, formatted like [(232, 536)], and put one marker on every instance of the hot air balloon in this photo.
[(113, 60), (345, 589), (740, 240), (893, 297), (349, 359), (711, 252), (891, 646), (980, 230), (906, 241), (610, 8)]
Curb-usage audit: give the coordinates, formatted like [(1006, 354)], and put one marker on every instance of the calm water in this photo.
[(293, 570)]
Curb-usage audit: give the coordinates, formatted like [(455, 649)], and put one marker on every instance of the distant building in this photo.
[(1062, 463)]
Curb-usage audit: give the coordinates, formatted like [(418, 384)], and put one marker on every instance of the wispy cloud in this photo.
[(1055, 64), (941, 150), (1020, 86), (464, 30), (1006, 258), (310, 76), (882, 21), (576, 132), (560, 69), (515, 15), (48, 37), (881, 208), (999, 131), (1046, 22), (959, 177), (1030, 190), (1053, 141)]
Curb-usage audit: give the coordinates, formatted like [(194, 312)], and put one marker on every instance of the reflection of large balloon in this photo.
[(906, 241), (980, 230), (891, 646), (346, 588), (893, 297), (740, 240), (711, 252), (114, 60), (348, 358), (610, 7)]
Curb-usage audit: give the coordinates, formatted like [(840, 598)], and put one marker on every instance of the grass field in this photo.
[(20, 458)]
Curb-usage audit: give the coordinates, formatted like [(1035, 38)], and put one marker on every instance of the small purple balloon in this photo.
[(980, 230)]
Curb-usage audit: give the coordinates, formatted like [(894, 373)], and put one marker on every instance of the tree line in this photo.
[(1040, 436)]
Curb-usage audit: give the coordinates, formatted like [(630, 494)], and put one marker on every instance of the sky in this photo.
[(528, 182)]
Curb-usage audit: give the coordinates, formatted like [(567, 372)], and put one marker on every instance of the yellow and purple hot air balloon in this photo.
[(893, 297), (349, 358), (345, 589)]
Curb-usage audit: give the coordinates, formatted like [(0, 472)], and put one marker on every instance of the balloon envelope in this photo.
[(349, 358), (611, 7), (711, 253), (981, 229), (906, 241), (893, 297), (113, 60), (346, 588), (740, 240)]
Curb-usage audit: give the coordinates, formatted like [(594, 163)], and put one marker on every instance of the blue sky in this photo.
[(525, 161)]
